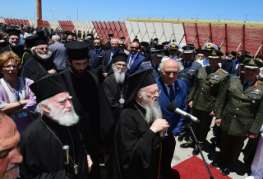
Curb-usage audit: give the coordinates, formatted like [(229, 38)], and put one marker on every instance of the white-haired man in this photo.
[(114, 83), (115, 48), (52, 145), (40, 60), (139, 129), (173, 93)]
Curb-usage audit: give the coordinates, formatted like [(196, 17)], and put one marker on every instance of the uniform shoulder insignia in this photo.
[(221, 70)]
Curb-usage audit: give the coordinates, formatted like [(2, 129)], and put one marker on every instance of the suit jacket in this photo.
[(180, 90), (108, 60), (138, 59), (59, 55), (97, 58)]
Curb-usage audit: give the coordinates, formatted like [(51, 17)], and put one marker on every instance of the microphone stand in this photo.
[(197, 144)]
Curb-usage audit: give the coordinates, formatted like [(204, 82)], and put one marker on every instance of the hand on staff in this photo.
[(159, 125), (218, 122), (190, 104), (90, 163), (52, 71), (105, 74), (252, 135), (212, 113)]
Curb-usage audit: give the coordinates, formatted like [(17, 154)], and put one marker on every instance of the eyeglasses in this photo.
[(43, 48), (153, 93)]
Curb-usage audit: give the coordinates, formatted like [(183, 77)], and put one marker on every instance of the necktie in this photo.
[(131, 61), (171, 93)]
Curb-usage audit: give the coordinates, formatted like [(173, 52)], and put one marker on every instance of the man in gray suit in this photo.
[(59, 53)]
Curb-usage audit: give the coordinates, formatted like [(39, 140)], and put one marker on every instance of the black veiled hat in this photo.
[(48, 86), (77, 50), (119, 57), (35, 40), (13, 30), (137, 81)]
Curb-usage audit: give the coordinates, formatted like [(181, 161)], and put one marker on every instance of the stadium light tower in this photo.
[(39, 12)]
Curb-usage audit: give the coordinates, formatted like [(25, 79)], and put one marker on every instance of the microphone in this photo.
[(171, 107)]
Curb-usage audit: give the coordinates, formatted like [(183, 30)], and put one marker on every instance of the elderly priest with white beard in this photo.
[(138, 133), (52, 146), (114, 84)]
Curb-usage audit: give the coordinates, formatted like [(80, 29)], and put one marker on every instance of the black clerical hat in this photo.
[(77, 50), (13, 30), (48, 86), (36, 39), (119, 57), (137, 81)]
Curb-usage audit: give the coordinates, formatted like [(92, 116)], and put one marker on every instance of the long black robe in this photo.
[(137, 148), (35, 68), (96, 120), (113, 92), (43, 156)]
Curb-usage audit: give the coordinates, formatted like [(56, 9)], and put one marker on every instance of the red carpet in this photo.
[(193, 168)]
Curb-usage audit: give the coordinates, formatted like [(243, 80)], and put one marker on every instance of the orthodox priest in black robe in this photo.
[(137, 140), (39, 62), (114, 84), (52, 145), (96, 119)]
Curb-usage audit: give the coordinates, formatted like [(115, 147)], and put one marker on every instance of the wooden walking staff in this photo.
[(162, 134), (160, 160)]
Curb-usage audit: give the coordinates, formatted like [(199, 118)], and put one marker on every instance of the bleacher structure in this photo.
[(229, 35)]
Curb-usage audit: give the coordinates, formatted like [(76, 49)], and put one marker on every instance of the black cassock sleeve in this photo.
[(137, 141), (39, 162)]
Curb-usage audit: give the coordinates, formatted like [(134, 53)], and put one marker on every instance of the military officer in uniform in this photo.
[(239, 111), (203, 95)]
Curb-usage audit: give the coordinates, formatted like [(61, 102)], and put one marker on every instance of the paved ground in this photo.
[(183, 153)]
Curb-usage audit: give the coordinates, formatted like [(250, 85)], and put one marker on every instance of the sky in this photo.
[(87, 10)]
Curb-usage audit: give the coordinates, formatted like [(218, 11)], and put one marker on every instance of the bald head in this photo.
[(8, 132), (114, 42), (169, 69), (9, 139)]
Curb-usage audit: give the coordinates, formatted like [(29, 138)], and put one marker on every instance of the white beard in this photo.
[(12, 173), (64, 118), (152, 112), (119, 76), (43, 56)]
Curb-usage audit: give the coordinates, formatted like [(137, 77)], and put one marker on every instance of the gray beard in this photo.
[(152, 112), (44, 56), (119, 77)]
